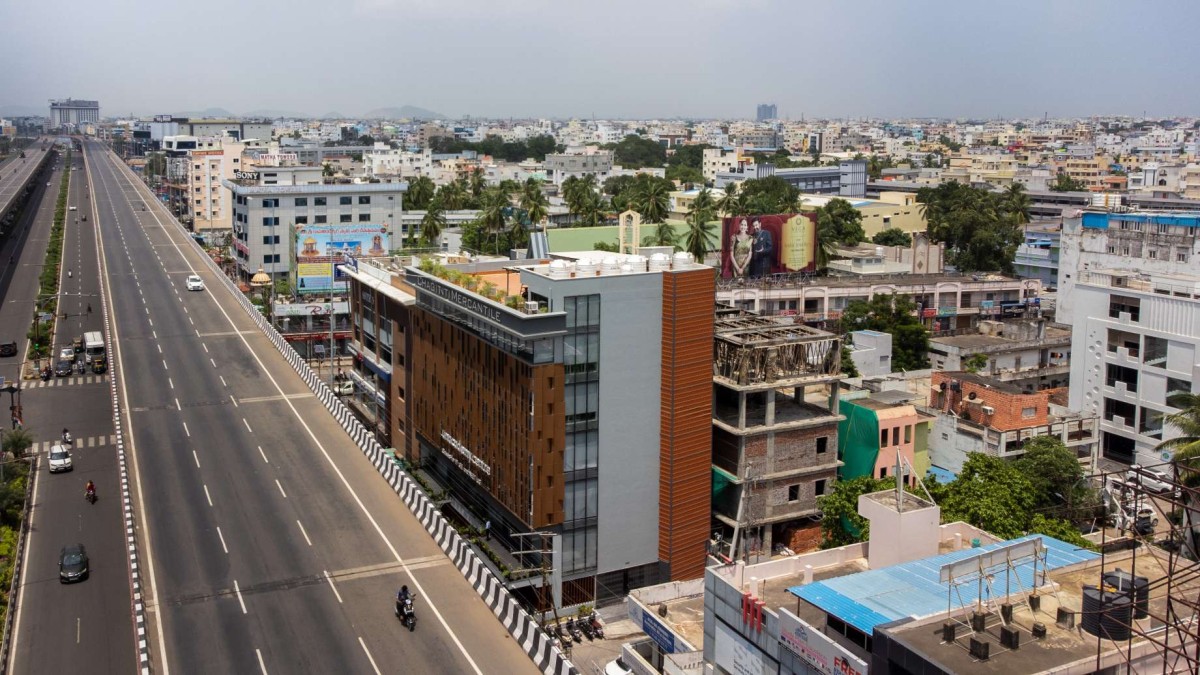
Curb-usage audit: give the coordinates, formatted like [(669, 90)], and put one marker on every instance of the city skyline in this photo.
[(540, 59)]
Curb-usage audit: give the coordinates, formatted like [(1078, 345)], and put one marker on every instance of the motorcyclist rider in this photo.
[(90, 489), (401, 597), (66, 435)]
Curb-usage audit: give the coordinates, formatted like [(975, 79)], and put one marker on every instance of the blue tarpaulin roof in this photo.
[(912, 589), (943, 476)]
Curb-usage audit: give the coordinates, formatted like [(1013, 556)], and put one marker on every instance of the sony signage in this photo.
[(245, 175)]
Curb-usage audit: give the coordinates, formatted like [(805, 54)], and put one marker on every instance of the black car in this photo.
[(63, 368), (8, 349), (72, 563)]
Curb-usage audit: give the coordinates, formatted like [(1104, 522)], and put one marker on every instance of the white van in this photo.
[(93, 345)]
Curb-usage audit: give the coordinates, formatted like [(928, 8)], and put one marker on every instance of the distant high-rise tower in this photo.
[(73, 111), (766, 111)]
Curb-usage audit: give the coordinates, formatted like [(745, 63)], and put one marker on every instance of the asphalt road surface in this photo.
[(272, 544), (86, 626)]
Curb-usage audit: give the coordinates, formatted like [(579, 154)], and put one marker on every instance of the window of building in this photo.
[(271, 258), (819, 487), (822, 444), (1156, 351), (271, 239), (793, 493), (908, 433), (270, 221), (364, 199), (301, 201), (301, 220), (317, 220), (270, 203), (364, 217), (344, 218), (1028, 413), (883, 436), (895, 435), (345, 201), (1181, 256), (883, 472), (318, 201)]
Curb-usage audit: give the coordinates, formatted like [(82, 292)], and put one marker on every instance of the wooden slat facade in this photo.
[(685, 459)]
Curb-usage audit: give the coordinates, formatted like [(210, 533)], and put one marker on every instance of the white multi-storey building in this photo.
[(1129, 288)]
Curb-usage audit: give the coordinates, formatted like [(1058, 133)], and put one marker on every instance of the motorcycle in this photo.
[(66, 437), (597, 627), (45, 374), (585, 627), (404, 612), (90, 495), (573, 630)]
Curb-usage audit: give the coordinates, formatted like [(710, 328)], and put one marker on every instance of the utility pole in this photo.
[(545, 568)]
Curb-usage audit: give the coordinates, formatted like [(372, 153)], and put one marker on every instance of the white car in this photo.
[(72, 208), (1151, 479), (60, 458), (66, 354), (195, 283)]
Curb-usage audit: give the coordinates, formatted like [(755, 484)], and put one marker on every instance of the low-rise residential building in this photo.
[(1031, 354), (867, 260), (945, 301), (560, 166), (871, 352), (195, 169), (976, 413), (1037, 257), (897, 210), (775, 428), (882, 433), (846, 179)]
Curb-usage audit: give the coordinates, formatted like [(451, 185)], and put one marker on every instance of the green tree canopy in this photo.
[(892, 236), (1052, 469), (691, 156), (420, 192), (840, 223), (510, 151), (840, 523), (895, 314), (989, 493), (636, 152), (768, 196), (685, 174), (979, 228), (1064, 183)]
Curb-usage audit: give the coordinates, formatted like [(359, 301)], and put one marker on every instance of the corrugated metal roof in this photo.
[(912, 589)]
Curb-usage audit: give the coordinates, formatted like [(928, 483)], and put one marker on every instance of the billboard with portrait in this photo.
[(320, 248), (757, 246)]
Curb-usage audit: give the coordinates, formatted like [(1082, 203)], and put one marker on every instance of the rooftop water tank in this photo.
[(637, 262), (559, 269), (660, 262), (681, 260), (626, 268), (1123, 581), (609, 265), (586, 267), (1105, 614)]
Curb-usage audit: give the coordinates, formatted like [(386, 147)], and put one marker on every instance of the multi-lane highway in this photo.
[(272, 545), (16, 170), (84, 626)]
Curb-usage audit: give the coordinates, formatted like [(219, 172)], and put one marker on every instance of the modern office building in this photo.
[(847, 179), (1129, 288), (72, 112), (570, 396), (242, 130), (766, 111)]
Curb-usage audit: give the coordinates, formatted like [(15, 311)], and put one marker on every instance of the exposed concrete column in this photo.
[(834, 401), (741, 410), (770, 407)]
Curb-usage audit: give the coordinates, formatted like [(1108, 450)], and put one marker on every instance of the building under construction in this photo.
[(775, 416)]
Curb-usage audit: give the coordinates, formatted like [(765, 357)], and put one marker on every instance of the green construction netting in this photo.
[(724, 491), (858, 441)]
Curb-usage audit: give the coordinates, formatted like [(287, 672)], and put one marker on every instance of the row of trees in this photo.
[(979, 229), (1043, 492), (510, 151)]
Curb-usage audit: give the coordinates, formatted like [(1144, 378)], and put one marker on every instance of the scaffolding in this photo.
[(1172, 625)]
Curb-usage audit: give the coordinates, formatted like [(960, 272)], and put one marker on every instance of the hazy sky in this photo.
[(611, 58)]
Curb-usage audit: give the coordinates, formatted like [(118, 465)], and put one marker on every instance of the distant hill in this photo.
[(24, 111), (275, 114), (332, 116), (207, 112), (410, 111)]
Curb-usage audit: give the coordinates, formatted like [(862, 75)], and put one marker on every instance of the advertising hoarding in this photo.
[(818, 651), (758, 246), (319, 248)]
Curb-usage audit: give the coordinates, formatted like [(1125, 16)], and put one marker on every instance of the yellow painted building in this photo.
[(892, 209)]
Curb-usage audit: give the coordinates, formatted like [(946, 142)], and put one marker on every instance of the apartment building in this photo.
[(977, 413), (1129, 288), (775, 429), (241, 130), (847, 179), (1032, 354), (882, 433), (585, 392), (560, 166), (195, 168), (945, 301)]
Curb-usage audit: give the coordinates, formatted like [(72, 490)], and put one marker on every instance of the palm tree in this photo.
[(420, 190), (453, 196), (492, 205), (826, 246), (433, 222), (591, 210), (1017, 203), (476, 182), (702, 232), (534, 201), (1186, 447), (664, 235), (17, 442), (727, 203), (651, 202)]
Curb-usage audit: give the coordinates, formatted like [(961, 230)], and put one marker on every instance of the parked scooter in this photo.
[(597, 627), (573, 630), (585, 627)]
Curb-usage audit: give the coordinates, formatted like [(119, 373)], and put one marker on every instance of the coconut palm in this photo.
[(17, 442), (420, 191), (591, 210), (492, 206), (702, 232), (1017, 203), (453, 196), (433, 222), (727, 203), (534, 201), (651, 202), (476, 182), (1186, 448)]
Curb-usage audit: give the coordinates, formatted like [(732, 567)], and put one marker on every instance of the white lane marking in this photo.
[(261, 666), (226, 549), (235, 403), (341, 476), (197, 458), (159, 348), (205, 347), (207, 496), (369, 657), (154, 334), (247, 425), (242, 603), (264, 455), (223, 381), (185, 430), (165, 365), (171, 382), (177, 406), (210, 360), (280, 485), (77, 629), (304, 533), (190, 321), (335, 590), (151, 322)]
